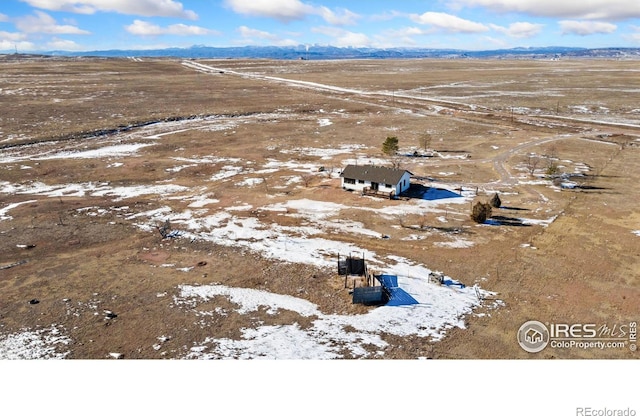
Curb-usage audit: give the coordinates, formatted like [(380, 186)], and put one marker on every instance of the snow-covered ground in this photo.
[(47, 343), (440, 308), (330, 336)]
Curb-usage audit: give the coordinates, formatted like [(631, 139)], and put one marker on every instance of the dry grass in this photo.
[(584, 266)]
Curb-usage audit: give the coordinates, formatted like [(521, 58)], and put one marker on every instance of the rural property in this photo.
[(239, 209)]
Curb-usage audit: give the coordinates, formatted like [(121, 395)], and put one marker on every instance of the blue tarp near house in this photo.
[(388, 280), (449, 282), (400, 298), (397, 296)]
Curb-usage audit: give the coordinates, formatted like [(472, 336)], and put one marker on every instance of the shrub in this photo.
[(481, 212), (495, 201), (552, 169)]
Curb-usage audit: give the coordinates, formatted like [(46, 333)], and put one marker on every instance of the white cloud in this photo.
[(449, 23), (12, 36), (342, 18), (163, 8), (633, 37), (43, 23), (344, 38), (589, 10), (388, 15), (4, 18), (63, 45), (519, 29), (247, 32), (142, 28), (586, 28), (399, 37), (9, 45), (408, 31), (290, 10), (283, 10), (255, 36)]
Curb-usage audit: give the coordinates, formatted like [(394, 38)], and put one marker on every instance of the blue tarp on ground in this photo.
[(453, 283), (388, 280), (400, 298), (397, 296)]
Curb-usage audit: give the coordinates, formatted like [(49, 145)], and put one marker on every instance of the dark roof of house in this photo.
[(379, 174)]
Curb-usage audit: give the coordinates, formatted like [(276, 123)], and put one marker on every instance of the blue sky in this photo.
[(85, 25)]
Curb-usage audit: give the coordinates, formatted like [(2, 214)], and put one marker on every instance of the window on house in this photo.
[(349, 181), (360, 181)]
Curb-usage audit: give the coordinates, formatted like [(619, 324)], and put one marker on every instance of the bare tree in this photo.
[(425, 141), (306, 180), (422, 221), (164, 229), (531, 162), (396, 161), (552, 151)]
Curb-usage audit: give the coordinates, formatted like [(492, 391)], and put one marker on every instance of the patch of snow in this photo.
[(330, 336), (3, 211), (227, 172), (120, 150), (208, 160), (544, 223), (243, 207), (325, 153), (315, 210), (292, 165), (28, 344), (413, 237), (365, 160), (460, 243), (250, 182), (90, 188), (200, 201)]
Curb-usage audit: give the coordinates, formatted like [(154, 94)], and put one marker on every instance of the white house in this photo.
[(375, 178)]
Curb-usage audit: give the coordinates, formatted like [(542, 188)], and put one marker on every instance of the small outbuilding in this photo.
[(375, 179)]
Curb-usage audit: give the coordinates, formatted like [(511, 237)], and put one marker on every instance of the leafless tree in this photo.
[(164, 229), (425, 141), (531, 162), (306, 180), (396, 161)]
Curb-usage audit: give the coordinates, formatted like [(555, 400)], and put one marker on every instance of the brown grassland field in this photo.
[(483, 117)]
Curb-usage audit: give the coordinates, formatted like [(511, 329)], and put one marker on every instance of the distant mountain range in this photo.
[(330, 52)]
